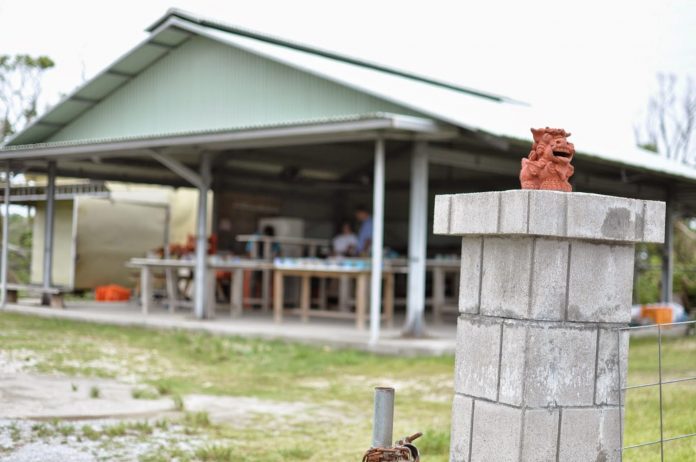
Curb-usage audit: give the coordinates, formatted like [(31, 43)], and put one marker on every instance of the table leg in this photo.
[(388, 298), (278, 296), (236, 292), (438, 294), (305, 294), (322, 294), (211, 281), (171, 289), (265, 289), (360, 301), (343, 293), (145, 289)]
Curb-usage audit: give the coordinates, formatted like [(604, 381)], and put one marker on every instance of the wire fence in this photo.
[(688, 327)]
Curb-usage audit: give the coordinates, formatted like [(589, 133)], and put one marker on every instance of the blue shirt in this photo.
[(365, 234)]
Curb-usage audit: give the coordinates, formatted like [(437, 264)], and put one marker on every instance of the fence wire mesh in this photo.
[(684, 328)]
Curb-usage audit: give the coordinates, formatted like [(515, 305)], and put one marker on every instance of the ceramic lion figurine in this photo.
[(548, 164)]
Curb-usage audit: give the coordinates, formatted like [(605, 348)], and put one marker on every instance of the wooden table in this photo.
[(235, 266), (361, 293), (312, 245), (146, 267), (440, 269)]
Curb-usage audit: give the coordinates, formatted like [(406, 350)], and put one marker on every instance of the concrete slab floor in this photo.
[(439, 340)]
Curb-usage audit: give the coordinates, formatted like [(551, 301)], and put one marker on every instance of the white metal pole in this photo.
[(417, 241), (5, 237), (48, 231), (201, 276), (377, 242)]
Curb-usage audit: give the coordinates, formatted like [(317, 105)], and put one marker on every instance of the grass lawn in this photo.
[(337, 384)]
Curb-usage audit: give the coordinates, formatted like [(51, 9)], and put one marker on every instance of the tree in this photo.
[(20, 89), (669, 128)]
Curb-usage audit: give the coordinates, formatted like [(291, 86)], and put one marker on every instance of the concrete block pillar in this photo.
[(546, 280)]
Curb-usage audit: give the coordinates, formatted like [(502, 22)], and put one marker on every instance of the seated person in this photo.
[(365, 233), (268, 231), (345, 244)]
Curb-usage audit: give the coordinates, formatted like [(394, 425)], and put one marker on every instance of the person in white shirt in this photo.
[(346, 243)]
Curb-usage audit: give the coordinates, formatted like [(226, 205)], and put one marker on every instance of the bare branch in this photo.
[(670, 122)]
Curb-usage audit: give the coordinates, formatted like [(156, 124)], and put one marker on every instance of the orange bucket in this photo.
[(112, 293), (658, 314)]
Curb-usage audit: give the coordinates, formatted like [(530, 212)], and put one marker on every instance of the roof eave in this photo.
[(360, 128)]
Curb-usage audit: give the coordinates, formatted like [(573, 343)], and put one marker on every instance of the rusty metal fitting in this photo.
[(402, 451), (381, 450)]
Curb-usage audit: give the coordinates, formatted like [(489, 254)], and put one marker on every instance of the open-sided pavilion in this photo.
[(203, 104)]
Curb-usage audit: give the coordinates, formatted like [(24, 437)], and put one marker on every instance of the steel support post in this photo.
[(48, 232), (377, 242), (5, 236), (417, 242), (201, 292)]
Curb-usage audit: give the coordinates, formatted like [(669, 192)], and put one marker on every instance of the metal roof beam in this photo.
[(82, 99), (125, 75), (155, 43), (180, 169), (50, 124)]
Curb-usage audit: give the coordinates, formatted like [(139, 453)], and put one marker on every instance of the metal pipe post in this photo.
[(201, 275), (383, 420), (417, 241), (48, 232), (668, 254), (5, 237), (377, 242)]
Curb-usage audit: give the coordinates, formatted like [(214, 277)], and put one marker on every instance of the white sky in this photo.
[(583, 65)]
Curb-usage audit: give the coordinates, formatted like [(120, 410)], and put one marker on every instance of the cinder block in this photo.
[(654, 222), (551, 214), (540, 435), (441, 219), (547, 213), (477, 356), (549, 280), (514, 212), (514, 349), (496, 434), (591, 434), (506, 270), (560, 366), (462, 407), (639, 207), (608, 364), (594, 216), (600, 282), (470, 275), (475, 213)]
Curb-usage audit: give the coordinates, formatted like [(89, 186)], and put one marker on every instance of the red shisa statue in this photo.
[(548, 164)]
